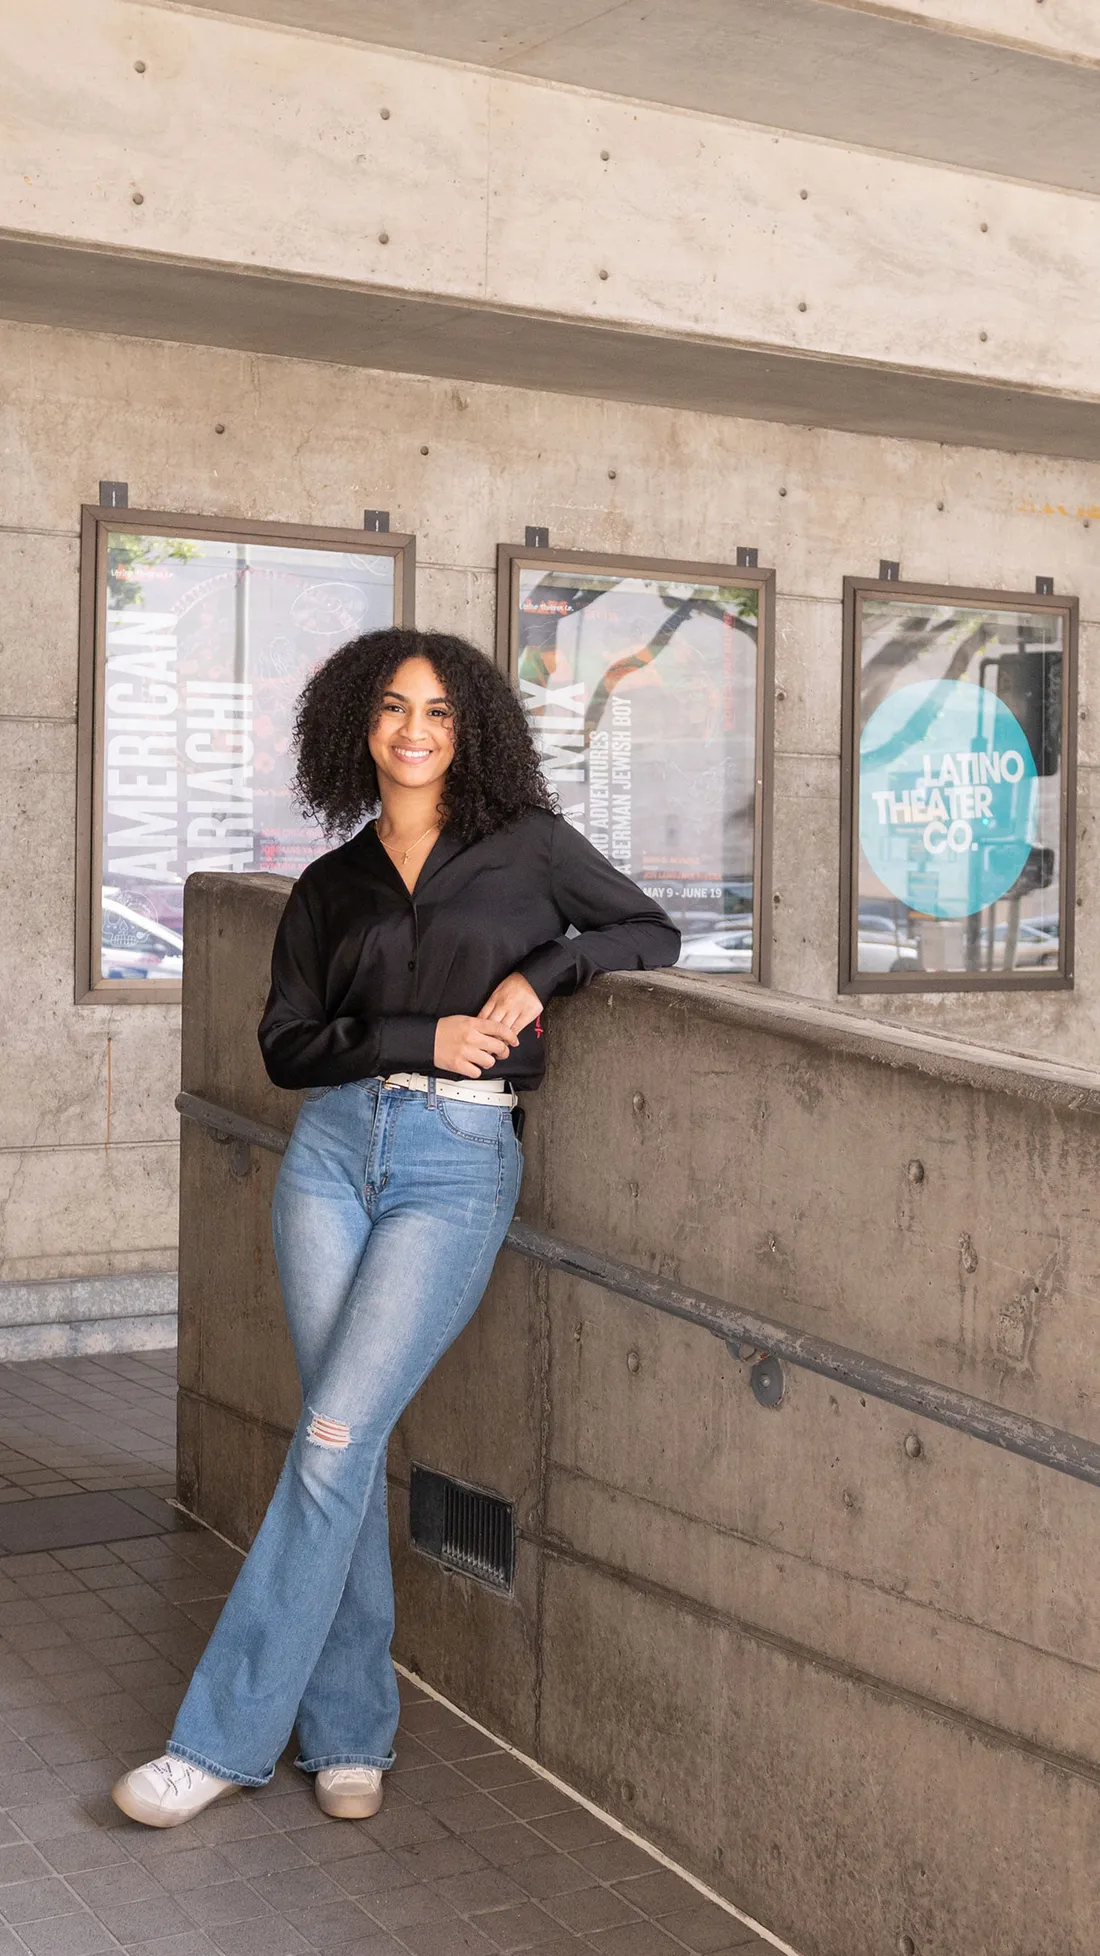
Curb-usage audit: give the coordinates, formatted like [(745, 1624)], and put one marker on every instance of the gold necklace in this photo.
[(412, 845)]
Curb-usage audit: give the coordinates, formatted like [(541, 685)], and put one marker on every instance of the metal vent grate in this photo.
[(462, 1527)]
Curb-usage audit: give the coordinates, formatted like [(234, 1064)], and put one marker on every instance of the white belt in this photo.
[(489, 1093)]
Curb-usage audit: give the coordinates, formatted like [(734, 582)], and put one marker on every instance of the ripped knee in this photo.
[(332, 1433)]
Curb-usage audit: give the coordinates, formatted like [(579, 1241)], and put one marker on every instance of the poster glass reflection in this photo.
[(645, 685), (958, 747), (202, 643)]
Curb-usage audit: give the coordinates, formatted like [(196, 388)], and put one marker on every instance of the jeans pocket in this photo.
[(317, 1093), (472, 1120)]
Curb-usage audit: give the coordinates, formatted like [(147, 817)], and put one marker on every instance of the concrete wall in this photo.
[(855, 1690), (252, 147), (87, 1174)]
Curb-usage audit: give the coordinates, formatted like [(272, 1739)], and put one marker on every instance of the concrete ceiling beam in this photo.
[(1003, 86), (62, 285)]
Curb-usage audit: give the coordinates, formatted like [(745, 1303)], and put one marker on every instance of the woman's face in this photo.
[(412, 740)]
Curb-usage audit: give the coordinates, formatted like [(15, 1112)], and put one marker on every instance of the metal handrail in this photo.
[(746, 1333)]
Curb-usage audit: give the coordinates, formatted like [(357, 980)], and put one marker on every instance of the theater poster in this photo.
[(202, 643), (959, 766), (646, 687)]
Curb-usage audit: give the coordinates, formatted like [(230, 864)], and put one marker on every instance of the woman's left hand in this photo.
[(514, 1003)]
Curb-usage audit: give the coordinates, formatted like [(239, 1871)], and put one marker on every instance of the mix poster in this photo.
[(960, 788), (641, 692), (207, 644)]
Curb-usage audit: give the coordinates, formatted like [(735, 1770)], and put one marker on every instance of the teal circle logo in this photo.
[(947, 797)]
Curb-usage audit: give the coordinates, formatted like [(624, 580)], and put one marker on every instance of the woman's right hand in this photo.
[(470, 1046)]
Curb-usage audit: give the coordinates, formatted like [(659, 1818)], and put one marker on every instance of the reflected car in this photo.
[(1036, 945), (718, 950), (883, 948), (134, 946)]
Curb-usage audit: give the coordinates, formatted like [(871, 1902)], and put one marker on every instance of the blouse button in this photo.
[(412, 964)]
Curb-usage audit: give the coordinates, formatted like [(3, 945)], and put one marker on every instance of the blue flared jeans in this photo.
[(389, 1210)]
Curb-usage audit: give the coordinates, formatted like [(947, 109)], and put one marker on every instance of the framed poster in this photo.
[(958, 746), (196, 637), (648, 687)]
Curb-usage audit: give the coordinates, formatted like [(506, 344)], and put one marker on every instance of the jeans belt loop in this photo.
[(433, 1097)]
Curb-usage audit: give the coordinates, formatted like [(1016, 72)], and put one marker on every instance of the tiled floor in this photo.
[(472, 1852), (75, 1424)]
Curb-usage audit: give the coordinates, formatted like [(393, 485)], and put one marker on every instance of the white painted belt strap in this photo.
[(488, 1093)]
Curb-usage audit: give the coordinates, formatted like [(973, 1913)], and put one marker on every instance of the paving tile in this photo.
[(552, 1874), (287, 1811), (405, 1907), (30, 1901), (658, 1893), (433, 1860), (118, 1883), (446, 1939), (466, 1814), (509, 1843), (532, 1799), (431, 1785), (96, 1555), (340, 1841), (193, 1867), (459, 1741), (483, 1888), (88, 1777), (332, 1927), (66, 1935), (52, 1819), (143, 1921), (614, 1860), (561, 1944), (21, 1863), (709, 1931), (524, 1925), (234, 1819), (375, 1943), (264, 1936), (300, 1888), (267, 1853), (374, 1874), (493, 1769), (227, 1901), (195, 1944), (73, 1853), (634, 1939), (405, 1826), (586, 1909)]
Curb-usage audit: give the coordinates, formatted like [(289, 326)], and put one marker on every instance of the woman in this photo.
[(409, 974)]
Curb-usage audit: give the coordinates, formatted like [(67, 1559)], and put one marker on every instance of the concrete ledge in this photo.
[(88, 1314), (937, 1056)]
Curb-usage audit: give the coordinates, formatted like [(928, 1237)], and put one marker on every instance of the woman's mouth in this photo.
[(411, 753)]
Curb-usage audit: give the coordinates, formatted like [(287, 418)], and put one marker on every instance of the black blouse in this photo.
[(361, 969)]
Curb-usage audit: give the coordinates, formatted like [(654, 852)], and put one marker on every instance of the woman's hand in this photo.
[(514, 1003), (470, 1046)]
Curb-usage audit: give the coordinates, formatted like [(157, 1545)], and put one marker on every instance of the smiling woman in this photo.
[(409, 976)]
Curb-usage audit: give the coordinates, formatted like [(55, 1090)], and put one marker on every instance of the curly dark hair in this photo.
[(495, 774)]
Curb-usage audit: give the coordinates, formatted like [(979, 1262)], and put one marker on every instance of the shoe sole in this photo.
[(348, 1806), (135, 1808)]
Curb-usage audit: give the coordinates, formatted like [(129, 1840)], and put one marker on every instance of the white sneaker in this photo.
[(349, 1792), (168, 1791)]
